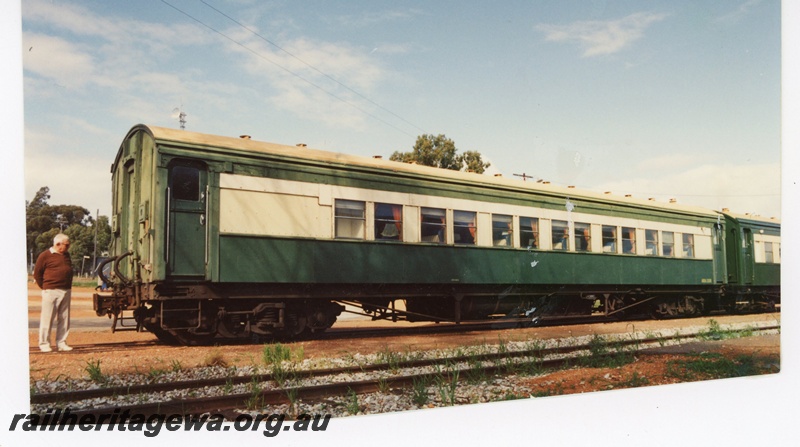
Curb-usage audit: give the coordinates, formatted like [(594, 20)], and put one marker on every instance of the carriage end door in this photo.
[(187, 226)]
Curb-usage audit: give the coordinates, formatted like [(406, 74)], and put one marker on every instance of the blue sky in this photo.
[(652, 98), (664, 99)]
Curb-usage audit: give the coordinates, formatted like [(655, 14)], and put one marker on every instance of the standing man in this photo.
[(53, 274)]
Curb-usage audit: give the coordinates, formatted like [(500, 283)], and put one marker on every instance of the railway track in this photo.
[(388, 375), (105, 347)]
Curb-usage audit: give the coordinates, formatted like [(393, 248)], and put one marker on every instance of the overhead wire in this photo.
[(294, 56), (298, 76)]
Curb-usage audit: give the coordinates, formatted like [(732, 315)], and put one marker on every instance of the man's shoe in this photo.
[(64, 347), (45, 348)]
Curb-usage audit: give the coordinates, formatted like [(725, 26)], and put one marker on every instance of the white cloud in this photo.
[(318, 81), (602, 37), (56, 59), (370, 18), (81, 21), (130, 61), (739, 13)]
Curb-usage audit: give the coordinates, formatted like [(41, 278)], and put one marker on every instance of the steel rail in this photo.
[(78, 395)]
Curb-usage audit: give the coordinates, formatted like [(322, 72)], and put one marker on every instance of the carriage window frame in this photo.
[(651, 242), (559, 233), (688, 245), (769, 253), (502, 230), (433, 222), (529, 232), (465, 223), (582, 237), (609, 236), (382, 220), (668, 244), (185, 183), (629, 237), (350, 211)]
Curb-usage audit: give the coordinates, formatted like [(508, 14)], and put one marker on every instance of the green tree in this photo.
[(440, 152), (474, 162), (43, 221)]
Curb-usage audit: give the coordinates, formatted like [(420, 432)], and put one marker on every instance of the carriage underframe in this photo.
[(203, 313)]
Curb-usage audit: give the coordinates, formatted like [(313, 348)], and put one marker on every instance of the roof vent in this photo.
[(726, 210), (498, 175), (377, 157), (545, 182), (607, 192), (301, 145), (571, 186), (629, 195), (652, 199), (244, 137), (673, 200)]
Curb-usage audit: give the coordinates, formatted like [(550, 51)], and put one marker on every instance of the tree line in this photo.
[(43, 221)]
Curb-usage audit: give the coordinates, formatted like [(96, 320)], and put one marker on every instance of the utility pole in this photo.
[(94, 251), (524, 176)]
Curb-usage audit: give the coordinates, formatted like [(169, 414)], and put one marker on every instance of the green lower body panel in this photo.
[(244, 259), (767, 274)]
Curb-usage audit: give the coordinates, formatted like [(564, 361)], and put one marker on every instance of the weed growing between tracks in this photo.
[(95, 373), (606, 354), (707, 365), (715, 332)]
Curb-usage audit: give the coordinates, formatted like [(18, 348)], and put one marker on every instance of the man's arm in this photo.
[(38, 271)]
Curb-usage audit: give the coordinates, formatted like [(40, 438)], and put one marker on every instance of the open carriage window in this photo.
[(433, 225), (388, 222), (464, 227), (529, 232), (502, 230), (583, 237)]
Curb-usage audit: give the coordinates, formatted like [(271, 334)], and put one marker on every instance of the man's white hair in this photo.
[(60, 237)]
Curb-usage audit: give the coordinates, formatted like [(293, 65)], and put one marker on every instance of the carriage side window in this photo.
[(350, 219), (668, 244), (769, 253), (628, 240), (502, 230), (651, 242), (388, 222), (185, 183), (609, 239), (464, 227), (583, 238), (529, 232), (560, 234), (433, 225), (688, 245)]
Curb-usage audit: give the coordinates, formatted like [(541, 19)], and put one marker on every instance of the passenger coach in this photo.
[(218, 237)]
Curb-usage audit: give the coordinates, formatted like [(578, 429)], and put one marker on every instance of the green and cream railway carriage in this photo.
[(218, 237)]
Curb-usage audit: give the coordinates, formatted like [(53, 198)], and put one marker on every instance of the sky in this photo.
[(658, 99), (662, 99)]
